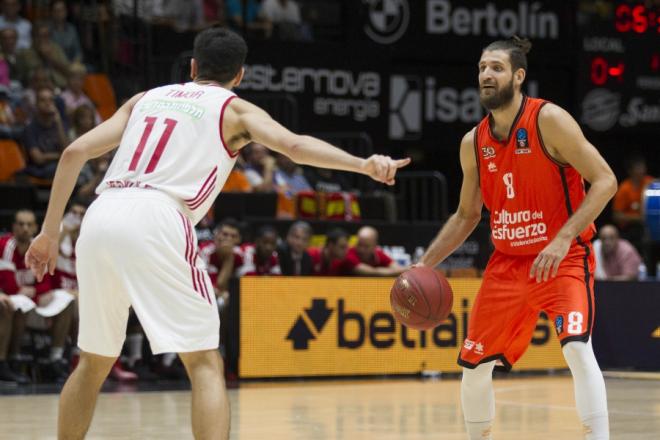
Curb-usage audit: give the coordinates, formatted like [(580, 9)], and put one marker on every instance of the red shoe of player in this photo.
[(118, 373)]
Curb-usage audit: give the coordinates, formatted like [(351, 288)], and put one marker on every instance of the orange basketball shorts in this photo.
[(507, 307)]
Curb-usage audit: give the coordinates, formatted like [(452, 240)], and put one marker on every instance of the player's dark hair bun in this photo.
[(522, 43)]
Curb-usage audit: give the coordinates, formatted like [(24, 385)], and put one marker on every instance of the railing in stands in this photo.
[(421, 196), (357, 143), (283, 107)]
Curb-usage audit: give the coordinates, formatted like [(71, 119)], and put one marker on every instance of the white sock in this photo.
[(596, 427), (134, 346), (479, 430), (478, 400), (56, 353), (168, 359), (590, 393)]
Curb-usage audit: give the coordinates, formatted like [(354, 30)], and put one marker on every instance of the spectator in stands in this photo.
[(215, 12), (46, 308), (40, 79), (11, 19), (247, 15), (91, 176), (261, 257), (326, 181), (237, 181), (83, 119), (185, 16), (286, 18), (616, 258), (293, 255), (289, 181), (367, 259), (65, 270), (9, 316), (93, 171), (8, 39), (44, 138), (289, 177), (281, 11), (64, 34), (329, 259), (627, 203), (9, 128), (74, 96), (259, 167), (222, 257), (66, 278), (44, 53), (4, 73)]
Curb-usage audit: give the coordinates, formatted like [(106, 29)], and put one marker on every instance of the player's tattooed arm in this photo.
[(238, 140), (565, 142)]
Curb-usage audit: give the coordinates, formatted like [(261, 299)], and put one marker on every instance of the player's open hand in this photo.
[(383, 168), (41, 257), (547, 261)]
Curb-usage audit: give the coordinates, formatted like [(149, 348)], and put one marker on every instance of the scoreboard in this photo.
[(619, 65)]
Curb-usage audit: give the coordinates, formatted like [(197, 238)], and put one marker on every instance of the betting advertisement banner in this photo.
[(318, 326)]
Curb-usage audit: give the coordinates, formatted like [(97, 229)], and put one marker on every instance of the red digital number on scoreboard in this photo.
[(601, 71), (636, 18)]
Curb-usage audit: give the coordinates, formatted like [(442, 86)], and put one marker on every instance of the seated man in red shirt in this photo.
[(329, 259), (42, 305), (367, 259), (261, 257), (9, 317), (222, 257)]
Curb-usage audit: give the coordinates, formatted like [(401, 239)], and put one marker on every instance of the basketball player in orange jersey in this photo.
[(526, 162), (177, 145)]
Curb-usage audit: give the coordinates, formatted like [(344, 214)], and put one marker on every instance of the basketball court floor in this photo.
[(532, 408)]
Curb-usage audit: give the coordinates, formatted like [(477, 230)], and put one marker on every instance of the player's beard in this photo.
[(500, 98)]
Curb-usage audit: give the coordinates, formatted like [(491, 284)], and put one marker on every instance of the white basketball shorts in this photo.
[(137, 249)]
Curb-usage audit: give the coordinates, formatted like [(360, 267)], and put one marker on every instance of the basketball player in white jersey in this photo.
[(137, 245)]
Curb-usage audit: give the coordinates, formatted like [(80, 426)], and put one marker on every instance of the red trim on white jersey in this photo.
[(204, 191), (205, 196), (198, 284), (222, 137)]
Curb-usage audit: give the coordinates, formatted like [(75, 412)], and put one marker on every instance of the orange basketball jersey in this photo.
[(528, 193)]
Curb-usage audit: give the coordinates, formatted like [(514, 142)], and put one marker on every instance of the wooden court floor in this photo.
[(530, 409)]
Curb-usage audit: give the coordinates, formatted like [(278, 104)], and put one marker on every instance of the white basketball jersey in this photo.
[(173, 143)]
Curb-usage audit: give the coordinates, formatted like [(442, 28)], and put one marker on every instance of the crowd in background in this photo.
[(281, 19), (43, 107), (49, 305)]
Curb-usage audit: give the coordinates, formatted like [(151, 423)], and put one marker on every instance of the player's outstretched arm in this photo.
[(42, 254), (246, 122), (461, 224), (565, 142)]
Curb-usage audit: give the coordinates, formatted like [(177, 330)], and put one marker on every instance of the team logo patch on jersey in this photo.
[(522, 142), (492, 167), (559, 324), (488, 152)]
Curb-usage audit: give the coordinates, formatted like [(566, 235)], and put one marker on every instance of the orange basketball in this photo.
[(421, 298)]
